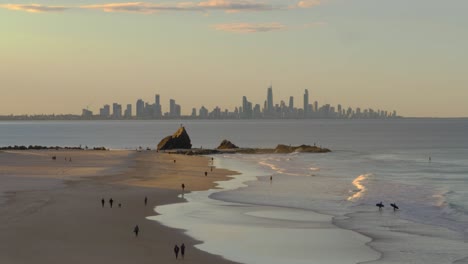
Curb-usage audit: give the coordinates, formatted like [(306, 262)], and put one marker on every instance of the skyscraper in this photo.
[(116, 111), (291, 103), (306, 103), (270, 100), (140, 108), (128, 111), (157, 106)]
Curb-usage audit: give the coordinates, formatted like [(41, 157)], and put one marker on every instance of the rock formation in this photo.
[(226, 144), (302, 148), (179, 140)]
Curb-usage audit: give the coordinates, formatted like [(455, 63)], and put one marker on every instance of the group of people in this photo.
[(111, 203), (381, 205), (181, 249)]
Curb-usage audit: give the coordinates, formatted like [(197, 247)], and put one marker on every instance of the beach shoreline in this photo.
[(62, 220)]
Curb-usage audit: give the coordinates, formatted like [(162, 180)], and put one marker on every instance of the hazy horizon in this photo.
[(60, 57)]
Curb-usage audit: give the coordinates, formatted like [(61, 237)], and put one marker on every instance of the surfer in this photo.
[(380, 205)]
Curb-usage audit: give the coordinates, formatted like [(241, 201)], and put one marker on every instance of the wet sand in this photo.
[(50, 210)]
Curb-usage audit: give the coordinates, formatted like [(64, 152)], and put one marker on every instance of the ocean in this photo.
[(419, 164)]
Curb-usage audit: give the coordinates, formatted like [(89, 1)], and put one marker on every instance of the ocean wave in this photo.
[(360, 186)]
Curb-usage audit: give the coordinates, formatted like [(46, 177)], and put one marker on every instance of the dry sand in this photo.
[(51, 210)]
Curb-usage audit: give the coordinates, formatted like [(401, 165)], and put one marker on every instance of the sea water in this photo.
[(419, 164)]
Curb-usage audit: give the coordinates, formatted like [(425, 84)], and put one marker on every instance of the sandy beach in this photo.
[(51, 211)]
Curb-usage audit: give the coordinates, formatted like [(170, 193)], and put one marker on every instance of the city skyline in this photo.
[(59, 56), (270, 109)]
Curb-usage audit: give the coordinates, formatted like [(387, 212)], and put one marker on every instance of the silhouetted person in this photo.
[(395, 207), (183, 187), (271, 179), (176, 251), (174, 161), (146, 200), (136, 230), (120, 205), (103, 202), (182, 250), (111, 202), (380, 205), (206, 173)]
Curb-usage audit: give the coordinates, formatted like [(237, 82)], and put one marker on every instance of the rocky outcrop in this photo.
[(302, 148), (226, 144), (179, 140)]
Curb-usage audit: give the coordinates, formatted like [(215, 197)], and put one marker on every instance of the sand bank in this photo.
[(51, 212)]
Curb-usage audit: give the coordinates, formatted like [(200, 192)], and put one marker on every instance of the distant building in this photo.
[(246, 108), (128, 111), (157, 107), (140, 108), (306, 103), (116, 111), (203, 112), (269, 109), (104, 112), (172, 108), (86, 114), (291, 103)]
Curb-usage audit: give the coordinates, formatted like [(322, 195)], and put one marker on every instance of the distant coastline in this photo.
[(99, 118)]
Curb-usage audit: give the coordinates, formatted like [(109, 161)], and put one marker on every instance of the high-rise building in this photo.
[(157, 107), (86, 114), (246, 108), (140, 108), (104, 112), (270, 100), (116, 111), (128, 111), (178, 110), (291, 103), (306, 103), (172, 109), (203, 112)]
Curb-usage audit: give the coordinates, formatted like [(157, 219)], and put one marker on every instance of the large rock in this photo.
[(179, 140), (302, 148), (226, 144)]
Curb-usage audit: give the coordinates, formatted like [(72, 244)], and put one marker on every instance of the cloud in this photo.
[(34, 8), (308, 3), (229, 6), (315, 24), (249, 28)]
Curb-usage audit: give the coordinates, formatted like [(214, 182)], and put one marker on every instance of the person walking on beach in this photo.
[(146, 200), (176, 251), (111, 202), (182, 250), (206, 173), (183, 187), (103, 202), (136, 230)]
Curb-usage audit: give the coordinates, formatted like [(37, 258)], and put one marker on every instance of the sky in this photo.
[(60, 56)]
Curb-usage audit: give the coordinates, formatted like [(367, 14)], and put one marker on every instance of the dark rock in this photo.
[(179, 140), (226, 144), (302, 148)]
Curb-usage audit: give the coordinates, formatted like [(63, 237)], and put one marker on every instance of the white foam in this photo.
[(263, 234)]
